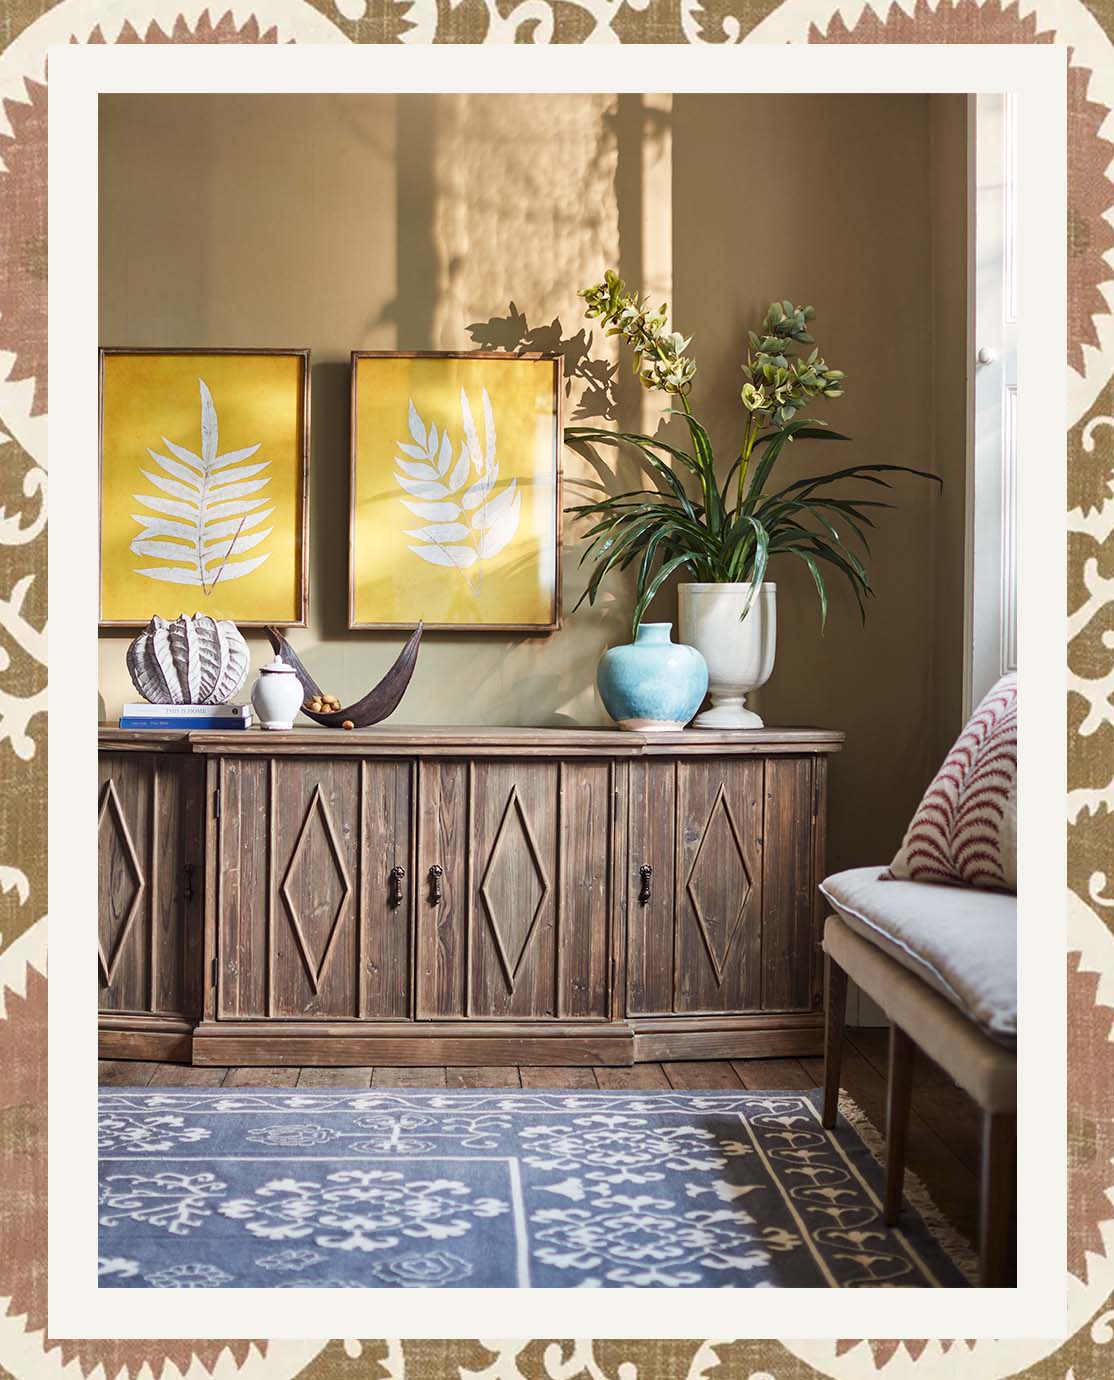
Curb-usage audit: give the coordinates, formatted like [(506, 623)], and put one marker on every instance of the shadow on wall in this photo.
[(597, 394), (514, 335), (328, 500)]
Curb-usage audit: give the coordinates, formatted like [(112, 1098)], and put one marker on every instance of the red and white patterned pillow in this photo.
[(965, 828)]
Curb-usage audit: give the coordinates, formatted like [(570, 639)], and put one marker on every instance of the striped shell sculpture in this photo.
[(194, 660)]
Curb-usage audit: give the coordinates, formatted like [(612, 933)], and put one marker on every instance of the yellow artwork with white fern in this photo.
[(203, 485), (455, 491)]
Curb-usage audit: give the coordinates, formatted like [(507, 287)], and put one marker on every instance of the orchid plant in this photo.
[(725, 530)]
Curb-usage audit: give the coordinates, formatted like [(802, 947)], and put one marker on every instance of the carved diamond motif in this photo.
[(112, 814), (513, 895), (719, 883), (317, 819)]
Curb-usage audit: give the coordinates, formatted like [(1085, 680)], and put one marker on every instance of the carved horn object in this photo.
[(375, 706)]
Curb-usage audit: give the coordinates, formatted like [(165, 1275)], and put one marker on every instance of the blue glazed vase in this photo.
[(652, 684)]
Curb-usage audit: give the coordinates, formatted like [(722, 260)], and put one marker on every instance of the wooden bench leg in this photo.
[(835, 1016), (997, 1201), (898, 1090)]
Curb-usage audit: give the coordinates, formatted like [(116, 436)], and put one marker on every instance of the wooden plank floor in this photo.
[(943, 1132)]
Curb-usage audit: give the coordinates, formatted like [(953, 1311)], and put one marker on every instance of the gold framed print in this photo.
[(203, 498), (455, 509)]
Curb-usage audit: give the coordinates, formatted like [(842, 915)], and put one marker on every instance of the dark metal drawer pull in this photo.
[(645, 872), (394, 886), (435, 874)]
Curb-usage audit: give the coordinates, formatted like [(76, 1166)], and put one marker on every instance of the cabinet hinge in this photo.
[(216, 803)]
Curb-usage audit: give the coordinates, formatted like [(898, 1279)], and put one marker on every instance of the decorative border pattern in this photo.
[(27, 28)]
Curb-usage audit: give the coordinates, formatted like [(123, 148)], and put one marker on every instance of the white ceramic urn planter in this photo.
[(739, 651)]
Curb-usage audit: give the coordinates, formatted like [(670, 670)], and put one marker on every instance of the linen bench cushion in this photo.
[(983, 1067), (961, 941)]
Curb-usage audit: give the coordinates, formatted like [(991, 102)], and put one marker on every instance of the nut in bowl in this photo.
[(375, 706)]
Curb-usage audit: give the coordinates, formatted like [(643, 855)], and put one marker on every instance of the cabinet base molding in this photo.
[(160, 1039), (754, 1037), (454, 1044), (432, 1044)]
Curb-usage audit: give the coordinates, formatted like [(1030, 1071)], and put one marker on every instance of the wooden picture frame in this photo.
[(444, 539), (147, 464)]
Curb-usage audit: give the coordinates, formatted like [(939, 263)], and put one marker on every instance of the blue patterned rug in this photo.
[(366, 1189)]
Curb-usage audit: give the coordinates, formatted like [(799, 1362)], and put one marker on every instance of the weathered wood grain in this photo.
[(559, 1077), (441, 901), (585, 862), (787, 923), (150, 881), (488, 898), (492, 1076), (719, 887), (649, 965), (513, 892)]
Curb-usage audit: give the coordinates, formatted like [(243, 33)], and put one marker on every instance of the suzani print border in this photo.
[(29, 27)]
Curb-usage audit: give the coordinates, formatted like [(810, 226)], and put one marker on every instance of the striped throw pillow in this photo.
[(965, 829)]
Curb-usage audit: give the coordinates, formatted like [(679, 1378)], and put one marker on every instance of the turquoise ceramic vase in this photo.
[(652, 684)]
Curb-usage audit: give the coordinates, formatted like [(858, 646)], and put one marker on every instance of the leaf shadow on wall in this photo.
[(598, 399), (514, 335)]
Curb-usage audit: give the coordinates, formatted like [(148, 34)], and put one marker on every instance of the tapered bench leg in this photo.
[(997, 1201), (898, 1090), (835, 1016)]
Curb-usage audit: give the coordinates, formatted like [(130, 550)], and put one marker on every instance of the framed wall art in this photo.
[(456, 491), (203, 464)]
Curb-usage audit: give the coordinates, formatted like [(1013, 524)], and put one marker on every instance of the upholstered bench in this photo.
[(941, 962)]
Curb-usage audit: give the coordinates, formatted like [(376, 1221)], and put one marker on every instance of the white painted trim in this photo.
[(990, 645)]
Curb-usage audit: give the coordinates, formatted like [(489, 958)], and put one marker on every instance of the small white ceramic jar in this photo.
[(277, 695)]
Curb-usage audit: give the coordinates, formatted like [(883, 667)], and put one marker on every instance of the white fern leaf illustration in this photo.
[(433, 512), (417, 430), (502, 528), (210, 514), (182, 471), (233, 457), (471, 440), (244, 472), (460, 556), (422, 488), (416, 471), (459, 476), (476, 493), (441, 532), (468, 518), (186, 456)]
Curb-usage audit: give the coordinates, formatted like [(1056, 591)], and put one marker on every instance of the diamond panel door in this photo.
[(313, 919), (150, 881), (718, 886), (513, 890)]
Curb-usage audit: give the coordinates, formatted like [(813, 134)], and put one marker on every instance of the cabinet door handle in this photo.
[(187, 890), (645, 872), (436, 872), (394, 886)]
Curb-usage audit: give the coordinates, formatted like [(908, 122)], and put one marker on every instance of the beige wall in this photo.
[(366, 222)]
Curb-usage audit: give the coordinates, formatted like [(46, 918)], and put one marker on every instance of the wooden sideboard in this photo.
[(460, 896)]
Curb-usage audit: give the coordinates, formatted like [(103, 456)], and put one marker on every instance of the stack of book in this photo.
[(186, 716)]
